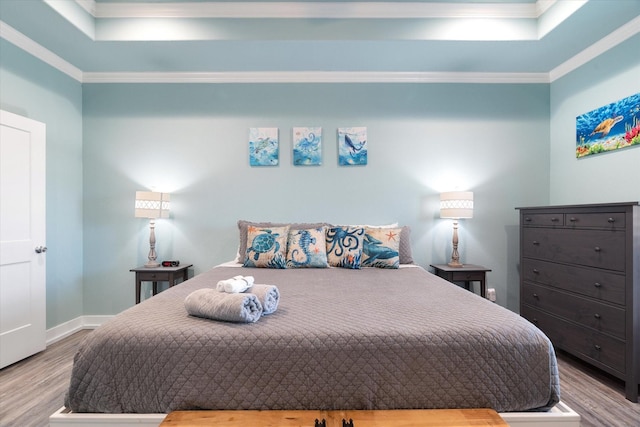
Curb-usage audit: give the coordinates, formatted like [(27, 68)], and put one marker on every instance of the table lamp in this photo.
[(152, 205), (456, 205)]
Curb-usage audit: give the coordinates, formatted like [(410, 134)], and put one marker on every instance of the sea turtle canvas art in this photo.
[(609, 128), (264, 147)]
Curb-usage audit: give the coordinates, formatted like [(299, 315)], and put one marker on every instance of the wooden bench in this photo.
[(356, 418)]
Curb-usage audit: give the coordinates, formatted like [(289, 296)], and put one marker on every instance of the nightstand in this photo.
[(467, 273), (159, 274)]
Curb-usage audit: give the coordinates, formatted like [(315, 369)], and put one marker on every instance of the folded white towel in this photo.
[(210, 304), (269, 297), (235, 285)]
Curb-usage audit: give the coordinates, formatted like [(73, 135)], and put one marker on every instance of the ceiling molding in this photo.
[(15, 37), (316, 77), (20, 40), (613, 39), (317, 10)]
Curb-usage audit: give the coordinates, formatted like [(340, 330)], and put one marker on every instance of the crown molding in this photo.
[(21, 41), (15, 37), (613, 39), (316, 77), (317, 10)]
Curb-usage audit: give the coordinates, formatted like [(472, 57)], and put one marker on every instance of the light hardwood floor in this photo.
[(34, 388)]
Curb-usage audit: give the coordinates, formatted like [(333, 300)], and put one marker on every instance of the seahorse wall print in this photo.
[(352, 146)]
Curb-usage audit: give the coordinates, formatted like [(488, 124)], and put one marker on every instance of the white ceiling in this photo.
[(321, 41)]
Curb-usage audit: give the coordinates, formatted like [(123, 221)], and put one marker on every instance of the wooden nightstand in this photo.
[(467, 273), (159, 274)]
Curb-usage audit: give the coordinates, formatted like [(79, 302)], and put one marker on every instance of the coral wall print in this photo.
[(609, 128), (352, 146), (264, 148), (307, 146)]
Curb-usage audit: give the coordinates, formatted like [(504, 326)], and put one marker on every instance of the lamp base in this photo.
[(455, 264), (152, 264)]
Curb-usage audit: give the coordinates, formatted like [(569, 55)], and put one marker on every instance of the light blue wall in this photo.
[(191, 140), (513, 145), (608, 177), (33, 89)]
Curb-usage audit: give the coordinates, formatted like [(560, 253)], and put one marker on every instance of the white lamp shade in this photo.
[(456, 204), (151, 204)]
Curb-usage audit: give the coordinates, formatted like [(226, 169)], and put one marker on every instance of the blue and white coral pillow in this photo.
[(381, 248), (266, 247), (344, 246), (307, 248)]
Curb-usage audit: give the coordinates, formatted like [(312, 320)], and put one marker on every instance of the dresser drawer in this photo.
[(593, 314), (599, 284), (542, 219), (594, 248), (597, 348), (156, 276), (597, 220)]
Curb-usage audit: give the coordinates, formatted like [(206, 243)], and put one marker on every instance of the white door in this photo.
[(22, 238)]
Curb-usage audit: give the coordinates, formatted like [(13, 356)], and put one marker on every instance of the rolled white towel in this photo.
[(235, 285), (268, 295), (210, 304)]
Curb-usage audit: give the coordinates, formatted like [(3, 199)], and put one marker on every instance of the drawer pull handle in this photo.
[(611, 220), (597, 316), (528, 219), (597, 249), (536, 271), (554, 219), (573, 219), (534, 320), (597, 285), (536, 243), (536, 296), (597, 347)]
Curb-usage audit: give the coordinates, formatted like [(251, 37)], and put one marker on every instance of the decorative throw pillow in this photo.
[(307, 248), (267, 247), (344, 246), (381, 247), (244, 225), (406, 255)]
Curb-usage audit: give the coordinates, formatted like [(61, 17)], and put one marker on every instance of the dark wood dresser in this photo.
[(580, 283)]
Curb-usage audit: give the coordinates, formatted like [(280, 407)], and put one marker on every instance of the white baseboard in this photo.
[(65, 329)]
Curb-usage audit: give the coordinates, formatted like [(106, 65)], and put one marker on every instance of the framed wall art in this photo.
[(307, 146), (609, 128), (352, 146), (264, 147)]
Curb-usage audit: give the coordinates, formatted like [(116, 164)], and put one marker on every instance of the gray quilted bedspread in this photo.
[(340, 339)]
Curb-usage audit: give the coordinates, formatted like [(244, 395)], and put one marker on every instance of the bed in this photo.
[(369, 338)]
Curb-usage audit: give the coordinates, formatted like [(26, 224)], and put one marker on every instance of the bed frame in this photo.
[(559, 416)]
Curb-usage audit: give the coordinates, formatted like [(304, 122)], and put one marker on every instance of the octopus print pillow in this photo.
[(380, 247), (344, 246), (307, 248), (266, 247)]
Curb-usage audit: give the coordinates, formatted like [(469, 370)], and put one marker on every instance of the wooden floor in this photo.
[(34, 388)]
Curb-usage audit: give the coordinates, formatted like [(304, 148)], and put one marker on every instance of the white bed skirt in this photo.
[(559, 416)]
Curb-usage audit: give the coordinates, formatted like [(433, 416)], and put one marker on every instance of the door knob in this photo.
[(41, 249)]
